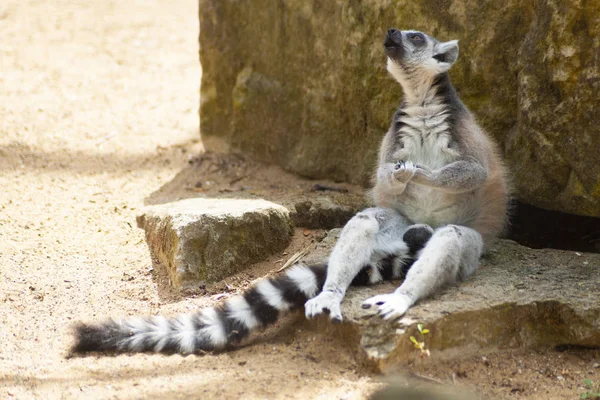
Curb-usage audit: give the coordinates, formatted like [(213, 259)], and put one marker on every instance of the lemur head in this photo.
[(414, 56)]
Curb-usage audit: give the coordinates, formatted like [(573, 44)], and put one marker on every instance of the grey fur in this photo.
[(459, 176)]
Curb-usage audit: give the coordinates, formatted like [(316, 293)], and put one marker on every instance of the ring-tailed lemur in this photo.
[(440, 189)]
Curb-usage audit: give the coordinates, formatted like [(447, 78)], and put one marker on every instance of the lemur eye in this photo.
[(416, 38)]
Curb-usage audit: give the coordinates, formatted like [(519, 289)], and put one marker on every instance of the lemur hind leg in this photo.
[(367, 239), (396, 266), (451, 254)]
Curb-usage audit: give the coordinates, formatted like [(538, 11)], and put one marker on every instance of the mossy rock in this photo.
[(196, 241), (302, 84)]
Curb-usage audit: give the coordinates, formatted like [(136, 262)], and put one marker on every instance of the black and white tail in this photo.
[(219, 327), (211, 328)]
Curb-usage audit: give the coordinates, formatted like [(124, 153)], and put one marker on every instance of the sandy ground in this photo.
[(98, 111)]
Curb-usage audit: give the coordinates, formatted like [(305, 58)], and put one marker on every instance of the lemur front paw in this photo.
[(404, 171), (390, 306), (406, 164), (326, 302)]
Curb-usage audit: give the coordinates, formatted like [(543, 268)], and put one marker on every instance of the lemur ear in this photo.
[(446, 52)]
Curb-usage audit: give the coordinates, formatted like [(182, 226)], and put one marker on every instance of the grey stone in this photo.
[(303, 84), (519, 297), (204, 240), (323, 212), (323, 248)]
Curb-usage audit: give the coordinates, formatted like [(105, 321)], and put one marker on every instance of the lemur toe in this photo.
[(335, 313)]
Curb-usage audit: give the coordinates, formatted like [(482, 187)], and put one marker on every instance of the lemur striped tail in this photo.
[(228, 323), (211, 328)]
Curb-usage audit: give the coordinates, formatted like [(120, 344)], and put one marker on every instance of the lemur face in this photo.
[(412, 52)]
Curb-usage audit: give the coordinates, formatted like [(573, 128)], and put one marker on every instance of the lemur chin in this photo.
[(440, 190)]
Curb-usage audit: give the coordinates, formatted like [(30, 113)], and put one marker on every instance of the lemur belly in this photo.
[(434, 207)]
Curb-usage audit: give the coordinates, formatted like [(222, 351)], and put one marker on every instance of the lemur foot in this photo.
[(326, 302), (390, 306)]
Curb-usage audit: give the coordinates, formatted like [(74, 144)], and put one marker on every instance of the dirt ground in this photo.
[(98, 111)]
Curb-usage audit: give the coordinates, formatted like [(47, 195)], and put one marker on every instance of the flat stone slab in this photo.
[(313, 204), (519, 297), (204, 240)]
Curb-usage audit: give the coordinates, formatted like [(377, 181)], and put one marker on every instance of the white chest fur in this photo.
[(425, 140), (425, 136)]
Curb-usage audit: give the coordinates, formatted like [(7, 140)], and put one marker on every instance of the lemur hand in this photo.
[(385, 174), (422, 175), (404, 171)]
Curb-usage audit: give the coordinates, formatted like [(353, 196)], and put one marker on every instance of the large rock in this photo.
[(302, 83), (553, 148), (204, 240), (519, 297)]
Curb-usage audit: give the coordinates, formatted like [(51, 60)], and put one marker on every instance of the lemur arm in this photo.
[(459, 176), (387, 170)]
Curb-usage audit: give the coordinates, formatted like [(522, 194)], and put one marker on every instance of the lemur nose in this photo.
[(393, 38)]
